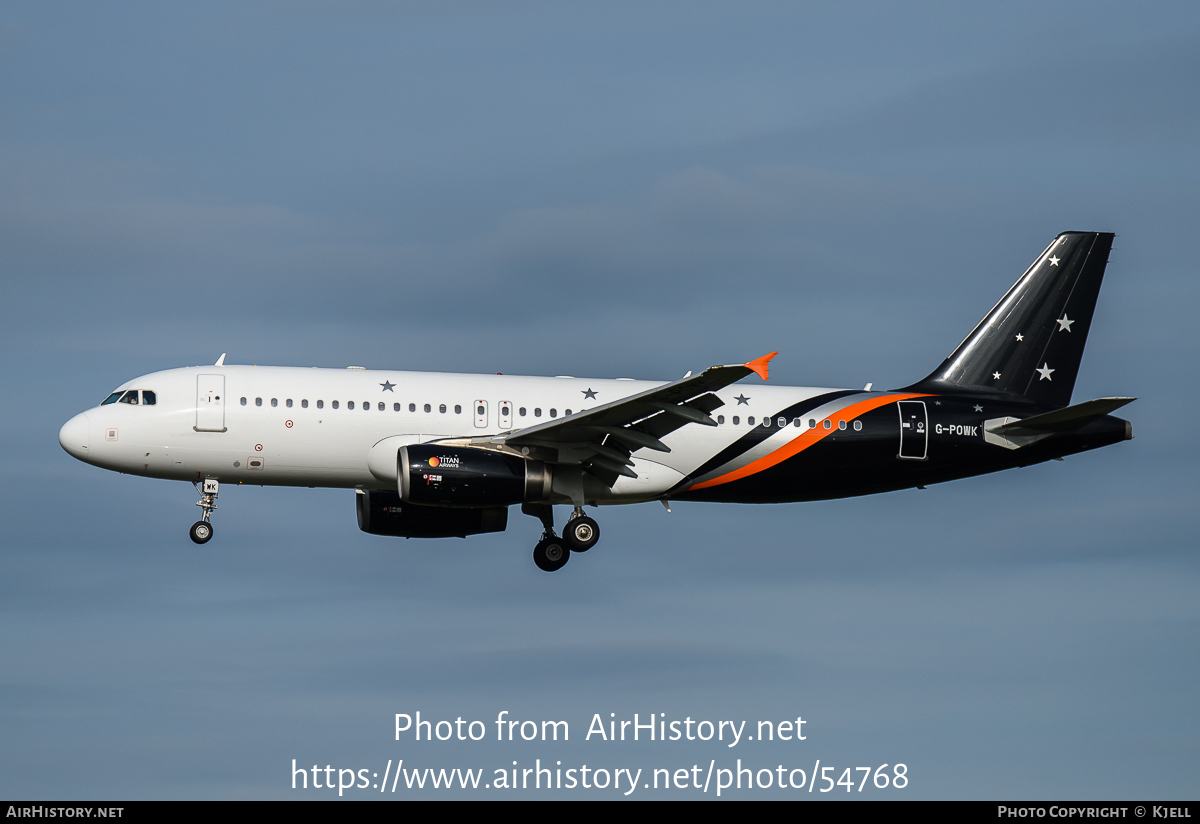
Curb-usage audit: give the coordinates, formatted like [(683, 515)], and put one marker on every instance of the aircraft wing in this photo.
[(602, 439)]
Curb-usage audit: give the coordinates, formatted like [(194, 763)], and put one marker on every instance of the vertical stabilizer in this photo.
[(1031, 343)]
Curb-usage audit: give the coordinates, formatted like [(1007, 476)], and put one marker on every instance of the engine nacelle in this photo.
[(464, 476), (381, 512)]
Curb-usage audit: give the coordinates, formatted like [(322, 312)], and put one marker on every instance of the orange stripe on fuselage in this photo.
[(807, 439)]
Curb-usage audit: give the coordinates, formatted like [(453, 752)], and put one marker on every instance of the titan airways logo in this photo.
[(449, 461), (956, 429)]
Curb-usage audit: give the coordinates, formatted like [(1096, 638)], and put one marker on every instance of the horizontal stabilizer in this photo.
[(1067, 419)]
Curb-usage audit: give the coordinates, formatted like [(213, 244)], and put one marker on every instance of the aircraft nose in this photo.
[(73, 436)]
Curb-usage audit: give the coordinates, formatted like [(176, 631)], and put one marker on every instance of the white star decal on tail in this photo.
[(1064, 323), (1053, 261), (1044, 372), (1020, 337)]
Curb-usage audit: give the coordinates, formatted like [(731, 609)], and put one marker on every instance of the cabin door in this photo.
[(914, 430), (210, 403)]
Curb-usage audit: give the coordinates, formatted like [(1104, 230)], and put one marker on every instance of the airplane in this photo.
[(436, 455)]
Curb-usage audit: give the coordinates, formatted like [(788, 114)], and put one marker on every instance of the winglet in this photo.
[(759, 365), (220, 360)]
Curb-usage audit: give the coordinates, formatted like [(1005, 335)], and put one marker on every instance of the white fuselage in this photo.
[(327, 427)]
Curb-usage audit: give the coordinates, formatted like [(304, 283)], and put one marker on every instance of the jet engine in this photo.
[(464, 476), (381, 512)]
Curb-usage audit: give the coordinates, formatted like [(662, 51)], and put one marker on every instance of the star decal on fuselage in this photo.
[(1053, 261), (978, 408), (1020, 337), (742, 399), (387, 386), (1064, 323), (1044, 372), (588, 393), (995, 376)]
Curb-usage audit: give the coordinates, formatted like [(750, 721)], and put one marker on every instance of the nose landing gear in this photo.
[(202, 531)]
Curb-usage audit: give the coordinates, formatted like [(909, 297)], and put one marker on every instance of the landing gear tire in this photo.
[(551, 554), (201, 532), (581, 534)]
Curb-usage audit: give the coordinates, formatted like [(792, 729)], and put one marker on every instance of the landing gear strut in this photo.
[(202, 531)]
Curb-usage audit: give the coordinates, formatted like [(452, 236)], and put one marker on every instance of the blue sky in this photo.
[(599, 190)]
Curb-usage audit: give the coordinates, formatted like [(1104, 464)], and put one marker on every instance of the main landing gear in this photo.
[(579, 535), (202, 531)]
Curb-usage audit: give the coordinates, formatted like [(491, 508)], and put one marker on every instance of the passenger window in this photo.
[(442, 408), (553, 413), (782, 422), (812, 423), (428, 408), (720, 419), (366, 406), (258, 401), (334, 404), (521, 411), (750, 420), (349, 404), (767, 422), (567, 413), (289, 403), (736, 420), (130, 397), (320, 404), (381, 407), (412, 407), (796, 422), (243, 401), (842, 425), (304, 404), (480, 410), (828, 424), (274, 402), (396, 407), (150, 399), (858, 426), (537, 412), (458, 409), (113, 399)]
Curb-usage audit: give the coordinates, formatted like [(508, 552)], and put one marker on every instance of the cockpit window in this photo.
[(111, 398), (148, 398), (130, 397)]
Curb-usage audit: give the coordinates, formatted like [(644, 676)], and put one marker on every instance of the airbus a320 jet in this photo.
[(437, 455)]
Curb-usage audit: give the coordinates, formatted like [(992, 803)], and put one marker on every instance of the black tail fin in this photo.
[(1031, 343)]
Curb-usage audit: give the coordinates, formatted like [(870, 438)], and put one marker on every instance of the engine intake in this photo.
[(381, 512), (464, 476)]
